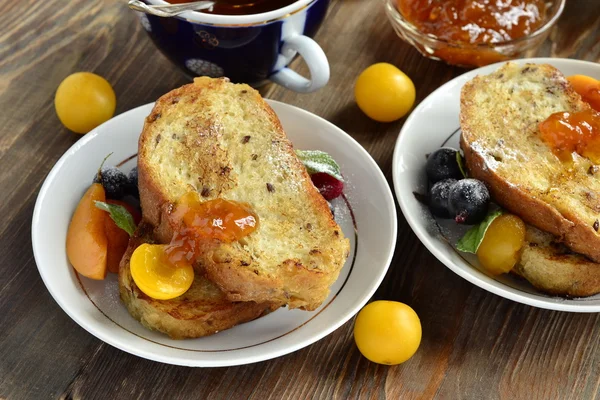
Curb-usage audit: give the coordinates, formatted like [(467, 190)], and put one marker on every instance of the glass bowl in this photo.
[(472, 55)]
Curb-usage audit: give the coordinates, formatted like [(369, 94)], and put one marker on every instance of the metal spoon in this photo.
[(169, 10)]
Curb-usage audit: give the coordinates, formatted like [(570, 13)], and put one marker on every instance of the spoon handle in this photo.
[(168, 10)]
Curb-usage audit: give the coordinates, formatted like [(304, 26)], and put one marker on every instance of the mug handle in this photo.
[(315, 59)]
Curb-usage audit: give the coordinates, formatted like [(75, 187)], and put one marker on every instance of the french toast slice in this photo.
[(223, 140), (201, 311), (550, 267), (499, 117)]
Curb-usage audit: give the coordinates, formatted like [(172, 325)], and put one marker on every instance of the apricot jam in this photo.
[(218, 219), (474, 21), (576, 132), (588, 88)]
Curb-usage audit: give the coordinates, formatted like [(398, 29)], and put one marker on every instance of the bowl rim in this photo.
[(240, 20), (396, 17)]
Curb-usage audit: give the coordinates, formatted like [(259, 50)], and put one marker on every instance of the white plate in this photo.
[(435, 123), (95, 305)]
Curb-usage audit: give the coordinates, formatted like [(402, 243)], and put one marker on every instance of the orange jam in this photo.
[(588, 88), (218, 219), (475, 21), (576, 132)]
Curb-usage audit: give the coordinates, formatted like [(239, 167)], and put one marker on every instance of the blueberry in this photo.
[(132, 183), (468, 201), (442, 164), (114, 182), (438, 198)]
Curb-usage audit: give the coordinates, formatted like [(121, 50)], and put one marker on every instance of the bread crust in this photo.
[(201, 311), (552, 268), (568, 226), (299, 282)]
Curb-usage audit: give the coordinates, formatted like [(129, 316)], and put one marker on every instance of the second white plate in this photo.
[(433, 124)]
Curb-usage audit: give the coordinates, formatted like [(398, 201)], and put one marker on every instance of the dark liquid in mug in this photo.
[(241, 7)]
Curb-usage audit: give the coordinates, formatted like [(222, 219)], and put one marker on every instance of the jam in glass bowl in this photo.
[(473, 33)]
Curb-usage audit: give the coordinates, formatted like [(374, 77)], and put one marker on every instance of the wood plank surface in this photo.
[(475, 345)]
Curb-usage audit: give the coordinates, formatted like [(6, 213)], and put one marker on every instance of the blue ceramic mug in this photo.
[(245, 48)]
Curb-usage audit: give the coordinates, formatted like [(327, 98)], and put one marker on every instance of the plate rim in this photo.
[(236, 360), (499, 289)]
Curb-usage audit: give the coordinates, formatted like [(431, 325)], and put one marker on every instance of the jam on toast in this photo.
[(499, 116)]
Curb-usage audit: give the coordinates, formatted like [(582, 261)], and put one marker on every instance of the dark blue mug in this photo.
[(245, 48)]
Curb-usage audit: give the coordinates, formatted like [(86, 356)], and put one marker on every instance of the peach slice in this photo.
[(87, 244), (588, 88), (118, 239)]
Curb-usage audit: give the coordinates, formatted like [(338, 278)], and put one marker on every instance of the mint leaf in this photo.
[(470, 242), (119, 214), (318, 161), (460, 160)]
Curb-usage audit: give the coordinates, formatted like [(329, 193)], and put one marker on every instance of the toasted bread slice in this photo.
[(499, 117), (551, 267), (203, 310), (223, 140)]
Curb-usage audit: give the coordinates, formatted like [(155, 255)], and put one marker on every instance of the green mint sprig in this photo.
[(318, 161), (119, 214), (470, 242)]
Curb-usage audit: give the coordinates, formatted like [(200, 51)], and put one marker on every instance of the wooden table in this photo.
[(475, 345)]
